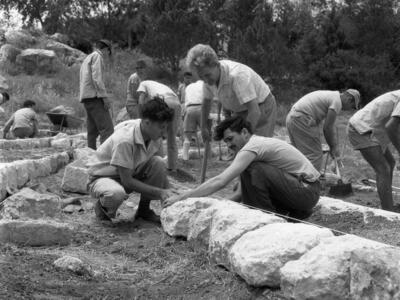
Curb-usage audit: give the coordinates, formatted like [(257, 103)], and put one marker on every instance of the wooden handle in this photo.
[(204, 162)]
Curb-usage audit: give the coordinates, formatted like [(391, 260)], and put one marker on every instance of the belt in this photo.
[(192, 105)]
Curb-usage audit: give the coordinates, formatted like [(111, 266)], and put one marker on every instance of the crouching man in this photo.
[(274, 175), (128, 162)]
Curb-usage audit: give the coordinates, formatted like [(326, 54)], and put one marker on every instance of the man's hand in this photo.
[(107, 103), (205, 134), (175, 198), (335, 153), (167, 193)]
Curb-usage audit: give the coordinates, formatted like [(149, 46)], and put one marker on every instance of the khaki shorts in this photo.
[(191, 121), (368, 139)]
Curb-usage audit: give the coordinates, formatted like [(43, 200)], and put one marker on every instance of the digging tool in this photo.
[(340, 189), (204, 162)]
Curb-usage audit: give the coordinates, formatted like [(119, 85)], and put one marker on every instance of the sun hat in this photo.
[(356, 96)]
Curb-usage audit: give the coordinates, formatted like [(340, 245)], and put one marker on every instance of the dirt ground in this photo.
[(137, 260)]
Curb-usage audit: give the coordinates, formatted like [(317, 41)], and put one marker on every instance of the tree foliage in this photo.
[(314, 44)]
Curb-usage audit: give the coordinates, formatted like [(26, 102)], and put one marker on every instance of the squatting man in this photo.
[(274, 175)]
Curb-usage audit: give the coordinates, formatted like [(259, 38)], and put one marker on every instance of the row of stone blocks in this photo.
[(14, 175), (60, 141), (305, 261)]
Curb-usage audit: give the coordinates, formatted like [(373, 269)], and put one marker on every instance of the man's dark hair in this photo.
[(28, 103), (6, 96), (157, 110), (235, 124)]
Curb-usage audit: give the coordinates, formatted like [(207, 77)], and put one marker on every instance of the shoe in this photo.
[(101, 212), (148, 215)]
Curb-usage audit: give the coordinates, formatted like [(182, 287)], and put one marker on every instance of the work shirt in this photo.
[(238, 85), (281, 155), (131, 90), (91, 77), (124, 148), (194, 93), (318, 103), (375, 115), (153, 88), (22, 118)]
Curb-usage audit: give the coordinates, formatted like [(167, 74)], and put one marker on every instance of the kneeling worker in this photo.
[(274, 175), (24, 122), (128, 162)]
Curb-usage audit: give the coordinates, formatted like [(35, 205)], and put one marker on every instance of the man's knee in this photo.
[(157, 165), (113, 198)]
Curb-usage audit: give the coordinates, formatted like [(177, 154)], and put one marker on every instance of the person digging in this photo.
[(371, 130), (128, 161), (274, 175)]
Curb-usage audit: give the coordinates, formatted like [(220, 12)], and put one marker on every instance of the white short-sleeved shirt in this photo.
[(238, 85), (194, 93), (124, 148), (23, 118), (318, 103), (377, 113), (153, 88), (282, 155)]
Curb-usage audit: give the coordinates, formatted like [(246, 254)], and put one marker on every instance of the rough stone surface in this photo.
[(35, 232), (37, 61), (67, 54), (9, 53), (19, 38), (29, 204), (375, 274), (228, 225), (324, 271), (200, 222), (259, 255), (73, 264), (83, 153), (175, 218), (61, 143), (76, 177)]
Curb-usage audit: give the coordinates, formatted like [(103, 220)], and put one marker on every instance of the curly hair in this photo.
[(28, 103), (157, 110), (235, 124), (201, 56)]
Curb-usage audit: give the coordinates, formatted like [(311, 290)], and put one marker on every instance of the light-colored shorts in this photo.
[(191, 121), (369, 139)]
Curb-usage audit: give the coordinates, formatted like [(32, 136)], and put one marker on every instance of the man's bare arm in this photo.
[(329, 133), (254, 113), (392, 128)]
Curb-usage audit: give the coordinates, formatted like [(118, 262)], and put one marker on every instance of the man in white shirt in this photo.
[(132, 96), (274, 175), (149, 89), (236, 86), (304, 119), (24, 122), (93, 94), (128, 161), (371, 130)]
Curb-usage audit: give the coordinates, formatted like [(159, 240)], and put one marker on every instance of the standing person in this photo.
[(131, 91), (304, 119), (274, 175), (187, 79), (128, 161), (371, 130), (24, 122), (149, 89), (192, 116), (93, 94), (239, 89)]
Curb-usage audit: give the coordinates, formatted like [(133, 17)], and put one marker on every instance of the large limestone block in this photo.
[(375, 274), (75, 178), (29, 204), (229, 225), (9, 53), (38, 60), (324, 271), (23, 169), (83, 153), (35, 232), (61, 144), (259, 255), (175, 218), (67, 54), (200, 222)]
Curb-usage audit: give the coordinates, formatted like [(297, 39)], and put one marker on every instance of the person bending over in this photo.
[(23, 123), (274, 175)]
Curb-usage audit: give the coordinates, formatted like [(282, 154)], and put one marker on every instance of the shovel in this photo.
[(340, 189)]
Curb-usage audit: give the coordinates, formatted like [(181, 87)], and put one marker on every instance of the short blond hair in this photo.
[(201, 56)]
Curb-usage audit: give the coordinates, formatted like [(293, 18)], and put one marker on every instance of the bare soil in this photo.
[(137, 260)]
